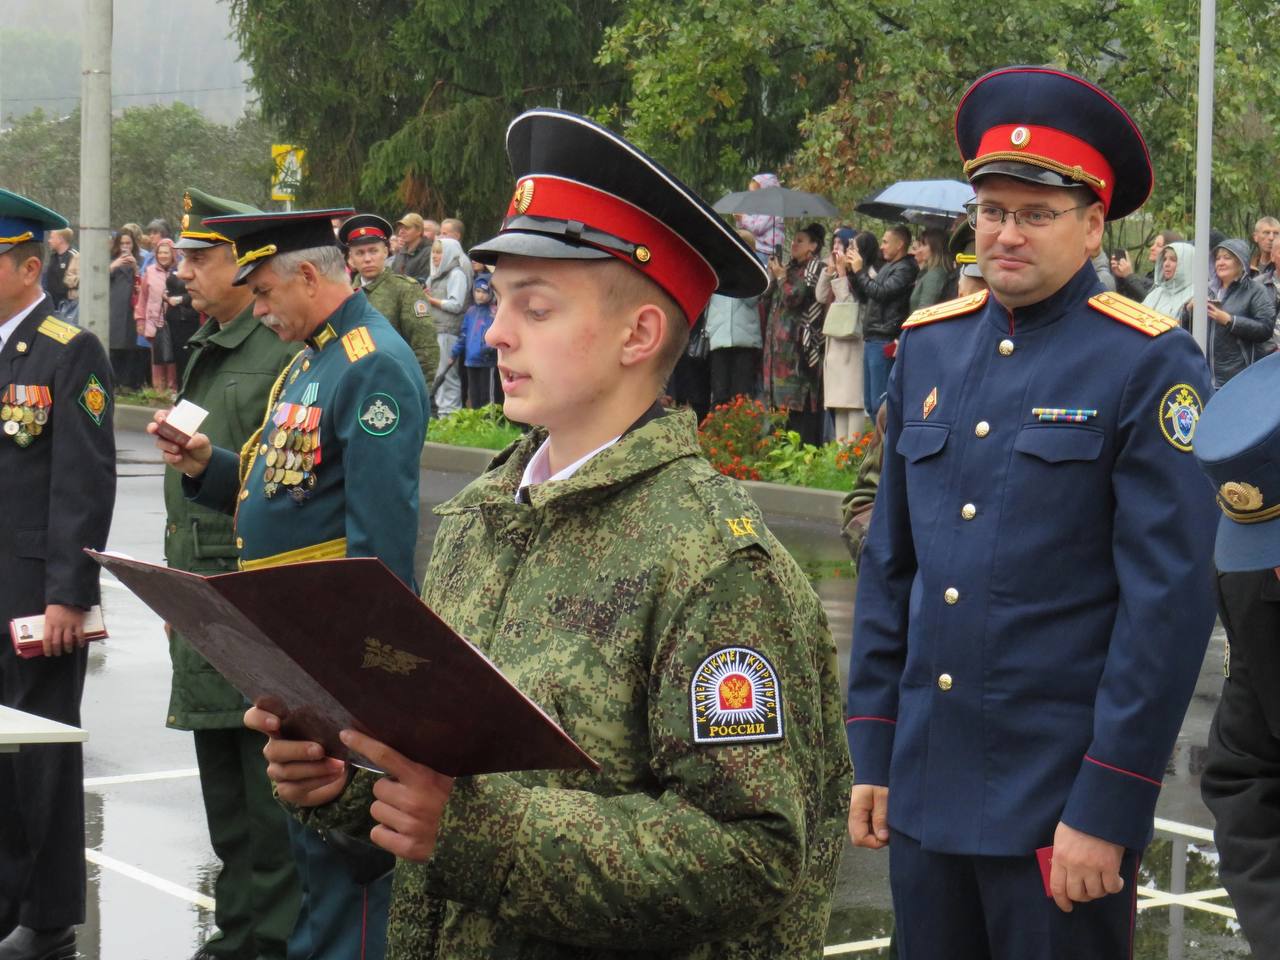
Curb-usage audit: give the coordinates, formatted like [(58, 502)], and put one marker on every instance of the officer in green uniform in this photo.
[(398, 298), (234, 362), (331, 472), (635, 594)]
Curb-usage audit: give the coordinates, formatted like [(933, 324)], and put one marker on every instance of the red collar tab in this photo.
[(1049, 148), (644, 241), (360, 233)]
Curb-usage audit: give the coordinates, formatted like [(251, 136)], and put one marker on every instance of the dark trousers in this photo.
[(483, 386), (42, 879), (809, 424), (130, 367), (734, 371), (339, 919), (690, 384), (995, 908), (256, 891)]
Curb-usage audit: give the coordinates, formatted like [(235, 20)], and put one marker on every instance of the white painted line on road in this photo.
[(150, 879), (860, 946), (141, 777), (1184, 830), (114, 584)]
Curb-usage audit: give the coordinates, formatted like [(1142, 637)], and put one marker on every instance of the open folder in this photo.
[(337, 644)]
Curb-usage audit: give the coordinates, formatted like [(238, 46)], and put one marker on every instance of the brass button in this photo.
[(944, 681), (968, 511), (239, 543), (982, 429), (244, 494), (1006, 348), (952, 596)]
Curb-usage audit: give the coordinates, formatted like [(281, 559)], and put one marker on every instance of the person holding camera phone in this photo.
[(1243, 314), (842, 385)]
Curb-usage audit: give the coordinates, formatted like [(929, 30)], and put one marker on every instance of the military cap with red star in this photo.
[(1045, 126), (584, 193)]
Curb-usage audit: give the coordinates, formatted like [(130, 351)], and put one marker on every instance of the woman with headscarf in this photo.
[(842, 360), (1173, 284), (447, 302), (1242, 313), (149, 316), (767, 229), (793, 337)]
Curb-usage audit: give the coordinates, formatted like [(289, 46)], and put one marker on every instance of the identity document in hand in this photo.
[(337, 644)]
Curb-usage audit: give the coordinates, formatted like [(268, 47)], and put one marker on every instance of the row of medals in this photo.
[(291, 457), (23, 422)]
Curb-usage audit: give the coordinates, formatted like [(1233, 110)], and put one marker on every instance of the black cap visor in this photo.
[(540, 246)]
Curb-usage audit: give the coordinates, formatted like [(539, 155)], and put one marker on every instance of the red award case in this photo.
[(27, 633), (337, 644)]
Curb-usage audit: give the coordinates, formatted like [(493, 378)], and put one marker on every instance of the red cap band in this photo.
[(657, 251), (360, 232), (1049, 148)]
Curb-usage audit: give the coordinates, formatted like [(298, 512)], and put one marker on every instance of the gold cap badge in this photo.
[(1244, 497), (523, 196), (186, 201), (1020, 137)]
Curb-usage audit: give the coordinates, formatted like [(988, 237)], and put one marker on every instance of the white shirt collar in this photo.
[(10, 325), (538, 469)]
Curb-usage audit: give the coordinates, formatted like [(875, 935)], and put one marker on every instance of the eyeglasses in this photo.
[(987, 217)]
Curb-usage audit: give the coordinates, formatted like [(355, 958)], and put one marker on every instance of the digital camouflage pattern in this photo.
[(600, 599), (396, 298)]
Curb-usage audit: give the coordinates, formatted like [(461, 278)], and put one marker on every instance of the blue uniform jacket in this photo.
[(360, 383), (1035, 597)]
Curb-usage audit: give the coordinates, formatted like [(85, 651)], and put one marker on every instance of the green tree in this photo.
[(156, 153)]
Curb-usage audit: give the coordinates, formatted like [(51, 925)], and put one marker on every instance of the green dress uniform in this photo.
[(230, 373), (332, 472), (400, 300), (610, 599)]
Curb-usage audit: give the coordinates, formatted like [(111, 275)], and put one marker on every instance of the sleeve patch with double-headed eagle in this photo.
[(736, 698), (1133, 314), (947, 311)]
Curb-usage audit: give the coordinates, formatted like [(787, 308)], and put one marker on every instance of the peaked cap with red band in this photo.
[(1049, 127), (584, 193), (364, 228)]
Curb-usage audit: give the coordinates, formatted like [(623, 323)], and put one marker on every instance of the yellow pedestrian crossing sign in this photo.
[(288, 158)]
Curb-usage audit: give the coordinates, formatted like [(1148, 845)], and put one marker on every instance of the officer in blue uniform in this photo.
[(58, 464), (332, 472), (1238, 446), (1035, 595)]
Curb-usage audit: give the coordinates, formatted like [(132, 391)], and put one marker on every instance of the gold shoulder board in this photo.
[(945, 311), (58, 330), (357, 343), (1133, 314)]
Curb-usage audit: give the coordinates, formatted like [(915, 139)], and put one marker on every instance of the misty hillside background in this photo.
[(164, 51)]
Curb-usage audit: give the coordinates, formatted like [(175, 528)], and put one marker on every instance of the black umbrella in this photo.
[(776, 202)]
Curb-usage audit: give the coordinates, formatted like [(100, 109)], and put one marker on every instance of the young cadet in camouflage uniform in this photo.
[(333, 473), (636, 595), (234, 362), (398, 298)]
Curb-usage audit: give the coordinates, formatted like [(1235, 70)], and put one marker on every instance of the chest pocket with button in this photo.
[(1058, 467), (919, 441)]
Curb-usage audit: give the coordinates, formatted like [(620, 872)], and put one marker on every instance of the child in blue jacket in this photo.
[(478, 358)]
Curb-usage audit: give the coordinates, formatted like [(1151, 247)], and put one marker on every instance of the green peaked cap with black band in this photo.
[(196, 206)]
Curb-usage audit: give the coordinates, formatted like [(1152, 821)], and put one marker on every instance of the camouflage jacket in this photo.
[(617, 599)]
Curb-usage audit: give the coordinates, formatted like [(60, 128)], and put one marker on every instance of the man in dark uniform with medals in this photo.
[(57, 457), (1238, 446), (398, 298), (1035, 594), (234, 362), (332, 472)]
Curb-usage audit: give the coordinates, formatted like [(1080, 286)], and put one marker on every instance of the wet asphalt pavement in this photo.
[(151, 868)]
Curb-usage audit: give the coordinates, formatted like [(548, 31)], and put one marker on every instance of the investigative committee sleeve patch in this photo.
[(735, 698), (94, 399), (379, 414), (1179, 412)]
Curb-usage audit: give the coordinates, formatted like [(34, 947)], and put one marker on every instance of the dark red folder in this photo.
[(337, 644)]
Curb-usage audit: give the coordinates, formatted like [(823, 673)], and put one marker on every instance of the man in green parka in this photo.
[(398, 298), (234, 362)]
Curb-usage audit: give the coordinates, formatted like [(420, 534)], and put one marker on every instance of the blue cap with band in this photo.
[(23, 220)]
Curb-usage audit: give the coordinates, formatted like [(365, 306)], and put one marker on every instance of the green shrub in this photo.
[(486, 428)]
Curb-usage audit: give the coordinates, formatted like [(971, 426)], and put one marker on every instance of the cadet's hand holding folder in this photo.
[(343, 644)]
